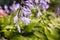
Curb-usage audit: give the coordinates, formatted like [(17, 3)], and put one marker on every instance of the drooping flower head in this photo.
[(6, 9), (42, 3), (29, 4), (25, 20), (26, 11), (14, 6)]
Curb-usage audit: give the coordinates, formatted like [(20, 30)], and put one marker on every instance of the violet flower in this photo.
[(44, 6), (30, 5), (39, 13), (26, 11), (16, 19), (25, 20), (6, 9), (14, 6), (19, 30), (17, 6), (41, 3)]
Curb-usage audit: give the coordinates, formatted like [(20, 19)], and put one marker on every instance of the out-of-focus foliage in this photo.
[(54, 4), (45, 28)]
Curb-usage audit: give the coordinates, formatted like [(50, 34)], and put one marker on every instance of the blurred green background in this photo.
[(45, 28)]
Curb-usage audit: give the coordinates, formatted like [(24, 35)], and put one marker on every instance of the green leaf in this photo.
[(40, 35)]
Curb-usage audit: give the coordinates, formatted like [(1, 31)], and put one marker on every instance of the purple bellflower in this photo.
[(30, 5), (44, 6), (17, 6), (19, 30), (16, 19), (14, 6), (25, 20), (26, 11), (41, 3), (6, 9), (39, 13)]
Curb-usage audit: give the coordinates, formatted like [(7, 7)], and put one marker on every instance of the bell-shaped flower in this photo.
[(44, 6), (14, 6), (19, 29), (16, 19), (6, 9), (39, 13), (17, 6), (26, 11), (25, 20), (30, 5)]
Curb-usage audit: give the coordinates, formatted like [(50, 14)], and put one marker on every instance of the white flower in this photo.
[(19, 30), (26, 20), (16, 19), (12, 7), (44, 6)]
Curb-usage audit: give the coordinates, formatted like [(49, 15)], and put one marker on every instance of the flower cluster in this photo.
[(32, 4), (30, 8), (26, 9), (38, 3)]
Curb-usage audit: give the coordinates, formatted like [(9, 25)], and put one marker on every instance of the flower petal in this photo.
[(16, 19), (19, 30), (26, 20)]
